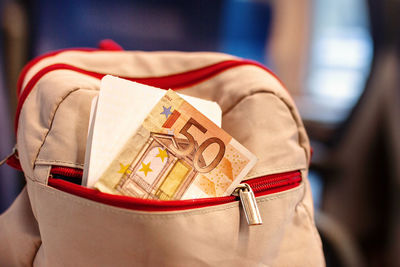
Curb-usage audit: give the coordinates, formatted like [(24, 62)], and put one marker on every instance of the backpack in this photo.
[(57, 222)]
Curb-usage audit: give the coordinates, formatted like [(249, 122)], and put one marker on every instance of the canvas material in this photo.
[(19, 233), (257, 111), (126, 63)]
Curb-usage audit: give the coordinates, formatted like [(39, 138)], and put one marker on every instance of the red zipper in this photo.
[(36, 60), (174, 81), (261, 186)]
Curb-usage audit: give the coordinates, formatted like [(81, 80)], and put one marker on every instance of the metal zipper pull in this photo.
[(249, 204)]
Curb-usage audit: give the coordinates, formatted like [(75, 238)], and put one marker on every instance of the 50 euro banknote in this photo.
[(177, 153)]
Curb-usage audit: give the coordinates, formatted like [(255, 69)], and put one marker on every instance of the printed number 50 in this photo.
[(203, 146)]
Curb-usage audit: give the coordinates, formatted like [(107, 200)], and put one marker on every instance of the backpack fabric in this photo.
[(55, 222)]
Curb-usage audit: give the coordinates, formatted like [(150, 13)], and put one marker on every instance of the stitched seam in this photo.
[(51, 120), (266, 91), (241, 99), (298, 124), (45, 161), (289, 107)]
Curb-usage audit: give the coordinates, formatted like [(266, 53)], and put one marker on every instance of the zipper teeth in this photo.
[(171, 205), (281, 180), (258, 184), (77, 173), (65, 171)]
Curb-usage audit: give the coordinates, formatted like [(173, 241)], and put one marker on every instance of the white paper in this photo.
[(121, 107), (89, 139)]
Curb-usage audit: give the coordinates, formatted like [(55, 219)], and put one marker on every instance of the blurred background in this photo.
[(338, 58)]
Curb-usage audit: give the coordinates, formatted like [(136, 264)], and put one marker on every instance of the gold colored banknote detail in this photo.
[(177, 153)]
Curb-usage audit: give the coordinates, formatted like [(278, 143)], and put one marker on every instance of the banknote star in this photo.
[(145, 168), (162, 154), (124, 168), (166, 111)]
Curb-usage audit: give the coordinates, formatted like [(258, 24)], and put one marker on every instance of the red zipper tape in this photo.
[(13, 162), (261, 186), (36, 60), (174, 81)]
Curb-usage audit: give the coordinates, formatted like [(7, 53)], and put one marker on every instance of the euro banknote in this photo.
[(177, 153), (117, 112)]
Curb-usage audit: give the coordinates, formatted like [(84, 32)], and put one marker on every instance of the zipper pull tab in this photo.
[(249, 204)]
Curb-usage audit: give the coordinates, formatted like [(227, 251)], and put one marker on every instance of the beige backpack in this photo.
[(57, 222)]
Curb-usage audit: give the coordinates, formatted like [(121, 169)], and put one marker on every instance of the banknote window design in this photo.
[(159, 172)]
